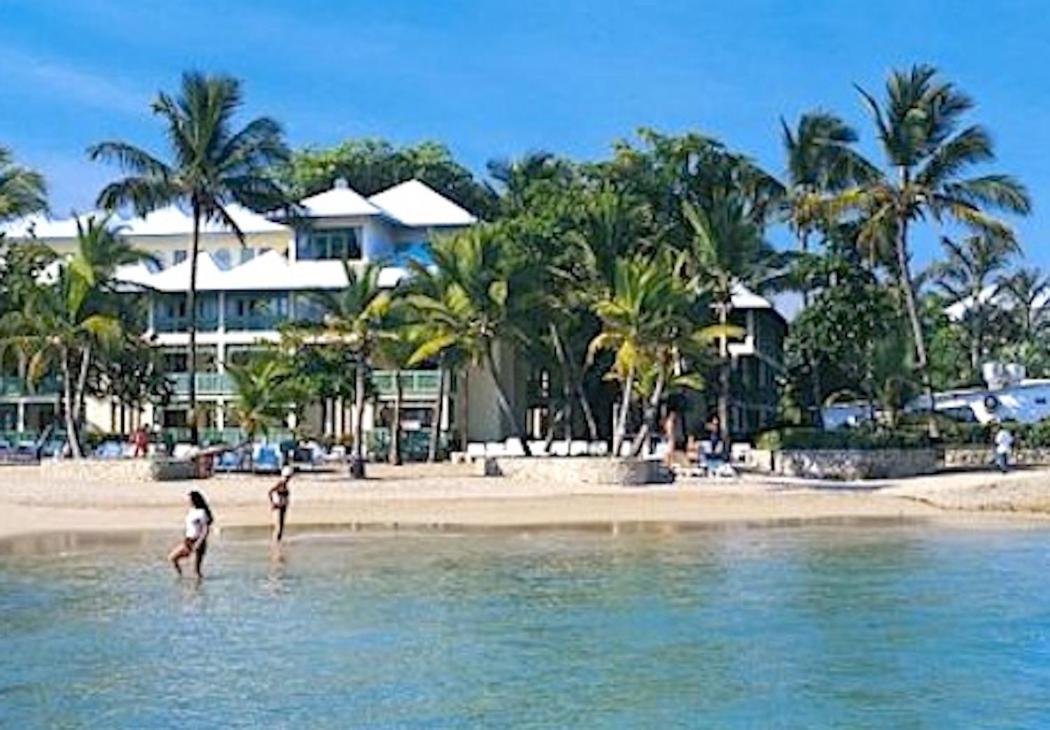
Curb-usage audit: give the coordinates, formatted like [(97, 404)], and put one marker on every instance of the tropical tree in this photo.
[(394, 353), (473, 313), (22, 191), (644, 318), (211, 165), (353, 317), (929, 155), (821, 164), (64, 325), (371, 165), (264, 391), (728, 251), (1027, 298), (970, 275)]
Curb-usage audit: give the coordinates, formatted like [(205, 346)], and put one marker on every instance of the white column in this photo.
[(21, 417), (222, 311)]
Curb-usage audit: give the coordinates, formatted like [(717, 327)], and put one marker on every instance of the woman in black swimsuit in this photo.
[(279, 497)]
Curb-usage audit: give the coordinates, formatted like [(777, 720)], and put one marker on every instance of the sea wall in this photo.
[(855, 463), (574, 469)]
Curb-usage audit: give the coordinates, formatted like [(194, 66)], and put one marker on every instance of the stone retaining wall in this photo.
[(852, 464), (110, 470), (983, 456), (574, 469)]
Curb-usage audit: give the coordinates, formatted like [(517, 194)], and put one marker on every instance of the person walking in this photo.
[(199, 520), (1004, 444), (280, 496)]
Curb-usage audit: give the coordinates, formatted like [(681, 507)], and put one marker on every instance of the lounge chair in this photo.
[(513, 447), (267, 459)]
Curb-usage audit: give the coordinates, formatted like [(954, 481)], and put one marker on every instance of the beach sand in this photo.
[(32, 501)]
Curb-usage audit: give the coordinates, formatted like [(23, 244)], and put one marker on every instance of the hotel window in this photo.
[(180, 256), (329, 244)]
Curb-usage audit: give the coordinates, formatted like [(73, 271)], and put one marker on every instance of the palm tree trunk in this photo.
[(913, 316), (816, 392), (439, 407), (79, 393), (357, 468), (504, 404), (649, 426), (566, 382), (588, 414), (723, 374), (191, 305), (621, 421), (395, 427), (68, 408)]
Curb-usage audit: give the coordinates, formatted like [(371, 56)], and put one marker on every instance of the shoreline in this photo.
[(443, 497)]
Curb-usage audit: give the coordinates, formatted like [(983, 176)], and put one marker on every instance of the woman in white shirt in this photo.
[(195, 541)]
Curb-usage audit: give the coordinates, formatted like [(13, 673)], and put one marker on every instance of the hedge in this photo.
[(785, 439)]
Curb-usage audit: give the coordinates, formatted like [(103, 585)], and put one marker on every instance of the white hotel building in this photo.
[(246, 290)]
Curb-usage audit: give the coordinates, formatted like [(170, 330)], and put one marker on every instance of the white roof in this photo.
[(42, 226), (167, 221), (339, 202), (416, 205), (171, 221), (744, 298), (177, 278)]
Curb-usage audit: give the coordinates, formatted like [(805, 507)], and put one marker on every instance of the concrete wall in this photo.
[(575, 470)]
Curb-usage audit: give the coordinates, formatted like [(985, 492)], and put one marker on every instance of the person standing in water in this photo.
[(279, 497), (199, 520)]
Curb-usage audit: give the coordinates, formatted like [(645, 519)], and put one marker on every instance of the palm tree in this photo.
[(65, 324), (821, 163), (928, 157), (211, 165), (728, 251), (473, 311), (264, 390), (966, 275), (643, 316), (354, 317), (22, 191), (1029, 293), (394, 352)]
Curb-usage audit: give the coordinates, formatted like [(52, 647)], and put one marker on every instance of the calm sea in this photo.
[(891, 626)]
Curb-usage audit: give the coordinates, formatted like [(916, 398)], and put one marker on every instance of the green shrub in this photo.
[(786, 439)]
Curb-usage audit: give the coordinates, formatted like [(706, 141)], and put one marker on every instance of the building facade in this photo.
[(247, 289)]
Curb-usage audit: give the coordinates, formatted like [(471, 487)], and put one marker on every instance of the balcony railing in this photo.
[(14, 386), (205, 323), (254, 322), (413, 382), (207, 383)]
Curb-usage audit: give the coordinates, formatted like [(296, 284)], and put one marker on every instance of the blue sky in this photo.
[(496, 79)]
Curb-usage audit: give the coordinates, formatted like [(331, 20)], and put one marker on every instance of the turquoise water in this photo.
[(801, 627)]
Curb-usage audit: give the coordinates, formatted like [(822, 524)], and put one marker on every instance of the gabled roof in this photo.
[(177, 278), (417, 205), (339, 202), (172, 221)]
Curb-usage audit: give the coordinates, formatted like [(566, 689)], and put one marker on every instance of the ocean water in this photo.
[(885, 626)]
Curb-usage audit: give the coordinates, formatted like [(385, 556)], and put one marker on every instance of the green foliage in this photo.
[(370, 165), (805, 438), (22, 191)]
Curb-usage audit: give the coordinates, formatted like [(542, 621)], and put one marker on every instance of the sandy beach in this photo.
[(34, 502)]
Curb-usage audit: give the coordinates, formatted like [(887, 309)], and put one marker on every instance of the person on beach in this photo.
[(279, 497), (1004, 444), (199, 520), (140, 440)]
